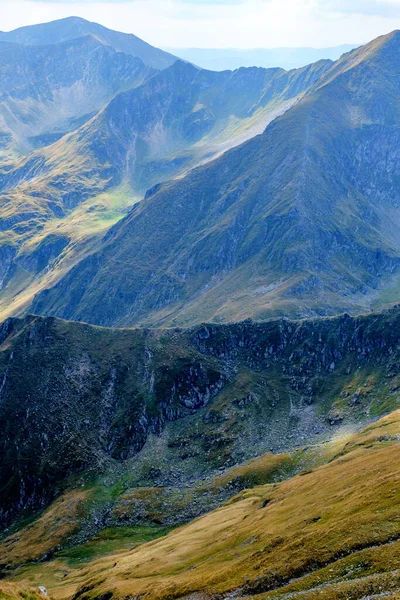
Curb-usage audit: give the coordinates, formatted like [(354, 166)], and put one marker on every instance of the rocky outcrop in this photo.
[(75, 397)]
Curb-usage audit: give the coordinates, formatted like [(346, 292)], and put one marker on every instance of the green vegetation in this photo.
[(84, 182), (318, 513), (111, 540), (250, 459), (9, 591), (156, 409)]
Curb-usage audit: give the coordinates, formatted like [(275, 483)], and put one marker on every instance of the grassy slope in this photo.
[(9, 591), (329, 532), (83, 227)]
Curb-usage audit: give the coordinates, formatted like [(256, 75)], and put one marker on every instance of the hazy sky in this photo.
[(221, 23)]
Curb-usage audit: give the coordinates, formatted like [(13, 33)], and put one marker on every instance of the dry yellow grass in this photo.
[(11, 591), (330, 533), (46, 533)]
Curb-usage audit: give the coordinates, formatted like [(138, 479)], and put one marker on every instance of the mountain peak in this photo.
[(384, 50), (69, 28)]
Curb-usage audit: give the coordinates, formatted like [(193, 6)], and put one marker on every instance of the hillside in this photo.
[(326, 534), (300, 220), (329, 532), (71, 28), (115, 440), (78, 398)]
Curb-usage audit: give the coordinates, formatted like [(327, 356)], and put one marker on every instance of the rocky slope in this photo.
[(300, 220), (76, 398)]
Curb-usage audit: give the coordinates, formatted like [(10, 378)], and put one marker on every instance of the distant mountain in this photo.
[(183, 116), (303, 219), (180, 117), (74, 27), (46, 91), (219, 59)]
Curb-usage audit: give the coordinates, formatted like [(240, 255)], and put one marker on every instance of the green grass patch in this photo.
[(112, 539)]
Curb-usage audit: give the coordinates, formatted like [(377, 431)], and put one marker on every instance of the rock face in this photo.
[(75, 397), (300, 220)]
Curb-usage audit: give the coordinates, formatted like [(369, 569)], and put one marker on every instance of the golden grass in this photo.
[(84, 226), (330, 533), (11, 591), (254, 472), (46, 533)]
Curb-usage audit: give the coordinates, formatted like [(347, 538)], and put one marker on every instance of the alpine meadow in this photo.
[(199, 300)]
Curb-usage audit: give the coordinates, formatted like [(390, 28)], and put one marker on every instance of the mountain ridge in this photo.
[(129, 384), (46, 91)]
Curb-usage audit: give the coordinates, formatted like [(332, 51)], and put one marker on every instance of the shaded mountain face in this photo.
[(78, 399), (46, 91), (302, 219), (70, 28), (181, 117)]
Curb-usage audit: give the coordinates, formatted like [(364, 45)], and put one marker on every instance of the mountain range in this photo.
[(192, 406), (46, 91), (65, 30), (220, 59), (300, 220), (267, 143), (53, 198)]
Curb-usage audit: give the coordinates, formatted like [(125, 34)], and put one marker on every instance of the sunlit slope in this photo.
[(331, 532), (37, 257), (9, 591), (301, 220)]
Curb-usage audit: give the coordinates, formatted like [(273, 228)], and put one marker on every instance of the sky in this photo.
[(221, 23)]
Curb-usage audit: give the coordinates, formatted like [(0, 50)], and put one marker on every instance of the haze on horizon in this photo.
[(237, 24)]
